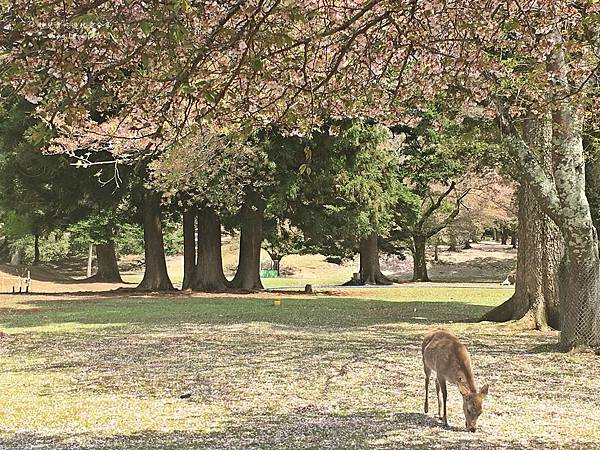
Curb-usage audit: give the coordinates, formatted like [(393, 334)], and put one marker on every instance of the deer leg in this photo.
[(439, 400), (427, 375), (444, 398)]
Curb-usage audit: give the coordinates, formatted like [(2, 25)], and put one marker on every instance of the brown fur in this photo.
[(444, 354)]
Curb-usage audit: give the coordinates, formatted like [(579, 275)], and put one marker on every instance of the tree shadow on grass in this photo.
[(320, 312), (367, 430), (480, 269), (553, 347)]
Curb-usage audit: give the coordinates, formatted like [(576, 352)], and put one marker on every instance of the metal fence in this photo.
[(580, 308)]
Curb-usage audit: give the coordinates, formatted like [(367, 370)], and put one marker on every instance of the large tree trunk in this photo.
[(108, 268), (156, 277), (209, 275), (580, 280), (370, 270), (189, 248), (247, 275), (562, 197), (536, 297), (580, 285), (504, 236), (419, 258), (36, 249)]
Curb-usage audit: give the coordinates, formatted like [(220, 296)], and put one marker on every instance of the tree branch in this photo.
[(434, 206)]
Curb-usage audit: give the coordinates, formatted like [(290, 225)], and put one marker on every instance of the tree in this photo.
[(382, 60), (440, 157), (226, 180), (281, 238), (348, 192), (36, 188), (536, 300), (101, 230), (47, 192)]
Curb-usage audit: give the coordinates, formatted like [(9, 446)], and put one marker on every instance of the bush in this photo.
[(53, 247)]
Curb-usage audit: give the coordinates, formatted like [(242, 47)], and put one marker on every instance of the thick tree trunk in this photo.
[(370, 270), (504, 236), (36, 249), (247, 275), (189, 248), (108, 269), (156, 277), (536, 297), (568, 204), (419, 258), (209, 275), (561, 195)]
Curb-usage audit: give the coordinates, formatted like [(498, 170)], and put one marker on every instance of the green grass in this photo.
[(358, 307), (332, 371)]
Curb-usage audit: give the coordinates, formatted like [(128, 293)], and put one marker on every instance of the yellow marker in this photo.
[(277, 302)]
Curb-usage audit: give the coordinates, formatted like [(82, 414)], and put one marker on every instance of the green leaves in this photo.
[(305, 169), (146, 27)]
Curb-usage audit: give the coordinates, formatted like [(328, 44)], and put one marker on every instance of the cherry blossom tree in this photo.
[(229, 65)]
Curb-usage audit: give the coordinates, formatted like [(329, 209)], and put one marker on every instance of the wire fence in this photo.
[(580, 307)]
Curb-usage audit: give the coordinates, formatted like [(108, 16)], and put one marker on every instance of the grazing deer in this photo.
[(449, 359)]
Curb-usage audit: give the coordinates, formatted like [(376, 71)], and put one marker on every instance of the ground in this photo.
[(487, 262), (339, 370)]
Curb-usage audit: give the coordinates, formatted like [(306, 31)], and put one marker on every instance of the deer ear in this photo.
[(484, 390), (464, 390)]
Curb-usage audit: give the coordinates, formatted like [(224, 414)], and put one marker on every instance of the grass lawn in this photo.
[(334, 371)]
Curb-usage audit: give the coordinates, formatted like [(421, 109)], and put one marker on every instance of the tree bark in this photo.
[(108, 268), (156, 277), (536, 298), (189, 248), (370, 270), (580, 285), (419, 258), (504, 236), (36, 249), (562, 196), (209, 276), (247, 275)]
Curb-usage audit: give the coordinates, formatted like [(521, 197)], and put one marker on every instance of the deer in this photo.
[(444, 354)]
